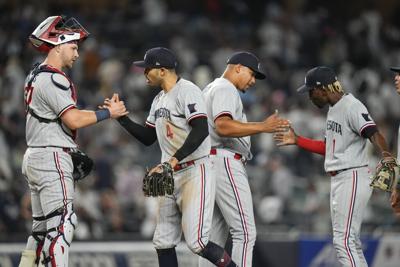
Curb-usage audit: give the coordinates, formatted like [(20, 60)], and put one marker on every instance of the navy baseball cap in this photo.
[(158, 57), (249, 60), (395, 69), (318, 76)]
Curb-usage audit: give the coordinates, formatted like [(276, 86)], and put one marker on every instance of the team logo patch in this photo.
[(366, 116), (192, 108)]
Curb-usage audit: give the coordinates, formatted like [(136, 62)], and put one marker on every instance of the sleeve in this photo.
[(151, 118), (191, 103), (224, 102), (59, 99), (360, 121)]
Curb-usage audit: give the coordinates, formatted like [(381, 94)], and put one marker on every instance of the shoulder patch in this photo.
[(60, 81)]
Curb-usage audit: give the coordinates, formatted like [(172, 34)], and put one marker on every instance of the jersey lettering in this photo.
[(334, 127), (162, 113), (28, 95)]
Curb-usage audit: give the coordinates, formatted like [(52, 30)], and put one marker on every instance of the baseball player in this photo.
[(230, 141), (51, 122), (178, 120), (395, 198), (348, 127)]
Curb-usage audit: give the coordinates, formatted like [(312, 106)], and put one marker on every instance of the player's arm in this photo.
[(291, 138), (227, 127), (146, 135), (377, 140), (75, 118), (196, 136)]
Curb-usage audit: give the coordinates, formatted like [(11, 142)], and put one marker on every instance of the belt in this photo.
[(183, 165), (214, 151), (65, 149), (334, 173)]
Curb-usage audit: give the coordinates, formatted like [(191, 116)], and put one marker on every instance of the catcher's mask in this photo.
[(57, 30)]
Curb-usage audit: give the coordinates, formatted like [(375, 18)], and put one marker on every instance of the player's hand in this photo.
[(285, 138), (157, 168), (395, 202), (115, 106), (274, 123)]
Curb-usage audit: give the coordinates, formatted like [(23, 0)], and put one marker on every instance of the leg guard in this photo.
[(59, 237), (32, 255)]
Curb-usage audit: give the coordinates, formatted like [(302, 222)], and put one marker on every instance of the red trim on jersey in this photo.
[(315, 146), (65, 110), (150, 124), (223, 113), (200, 115), (370, 124), (201, 212)]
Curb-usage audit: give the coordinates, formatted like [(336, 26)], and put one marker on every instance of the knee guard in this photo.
[(59, 237)]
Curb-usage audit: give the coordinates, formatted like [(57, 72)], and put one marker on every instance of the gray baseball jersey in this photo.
[(345, 148), (49, 101), (222, 98), (350, 191), (171, 114), (234, 204), (190, 208), (46, 165)]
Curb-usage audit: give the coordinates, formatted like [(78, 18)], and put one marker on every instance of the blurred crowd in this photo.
[(290, 188)]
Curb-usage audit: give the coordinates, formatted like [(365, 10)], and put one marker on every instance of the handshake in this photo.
[(115, 106)]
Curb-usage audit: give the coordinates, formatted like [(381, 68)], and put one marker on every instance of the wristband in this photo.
[(102, 114)]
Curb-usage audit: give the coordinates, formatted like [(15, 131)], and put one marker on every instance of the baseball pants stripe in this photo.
[(350, 218), (60, 172), (201, 215), (241, 213)]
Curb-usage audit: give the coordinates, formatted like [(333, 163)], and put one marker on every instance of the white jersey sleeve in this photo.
[(221, 106), (191, 104)]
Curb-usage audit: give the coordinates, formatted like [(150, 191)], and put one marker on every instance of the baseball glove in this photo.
[(83, 165), (159, 183), (386, 175)]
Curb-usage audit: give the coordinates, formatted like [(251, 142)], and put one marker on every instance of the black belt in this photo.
[(334, 173)]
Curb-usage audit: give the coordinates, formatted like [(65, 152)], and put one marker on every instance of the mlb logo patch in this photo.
[(192, 108)]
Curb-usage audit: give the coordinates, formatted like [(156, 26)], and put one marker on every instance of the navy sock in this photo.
[(167, 257)]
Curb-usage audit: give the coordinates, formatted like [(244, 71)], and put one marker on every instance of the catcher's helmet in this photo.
[(57, 30)]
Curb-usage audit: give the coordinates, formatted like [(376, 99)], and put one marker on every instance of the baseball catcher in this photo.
[(159, 181), (386, 175)]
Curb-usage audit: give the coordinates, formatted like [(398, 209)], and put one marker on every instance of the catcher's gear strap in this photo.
[(59, 82), (196, 136), (145, 135), (57, 212), (315, 146), (59, 237)]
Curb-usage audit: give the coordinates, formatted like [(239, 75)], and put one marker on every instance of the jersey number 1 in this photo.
[(170, 134)]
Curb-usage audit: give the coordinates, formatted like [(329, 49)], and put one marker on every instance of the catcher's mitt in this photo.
[(159, 183), (83, 165), (386, 175)]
